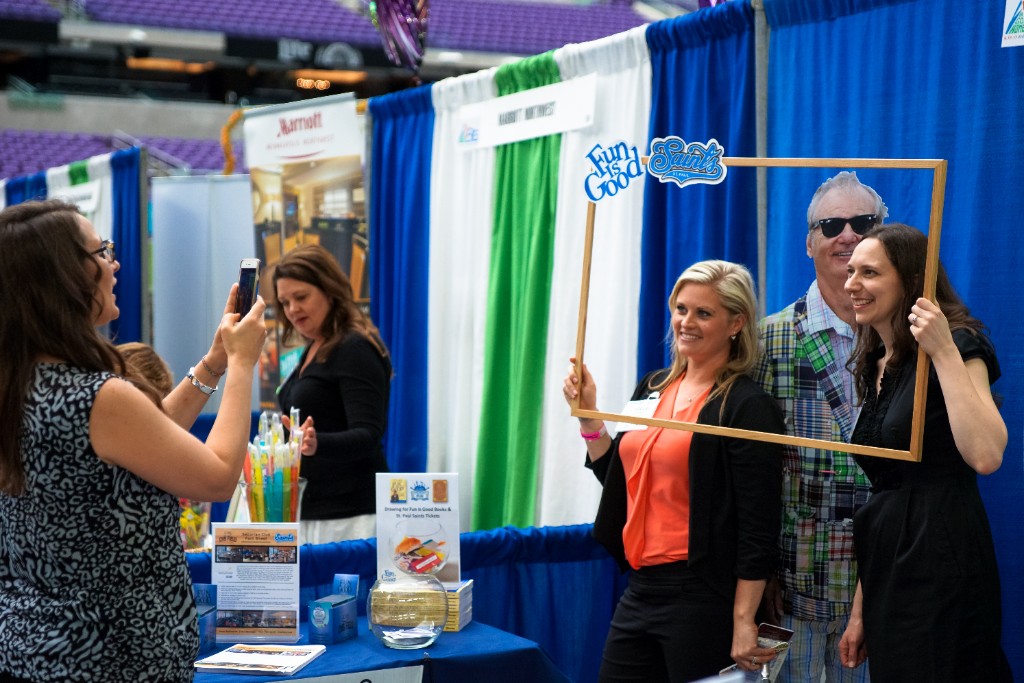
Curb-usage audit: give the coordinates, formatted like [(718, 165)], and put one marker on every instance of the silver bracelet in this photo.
[(191, 377)]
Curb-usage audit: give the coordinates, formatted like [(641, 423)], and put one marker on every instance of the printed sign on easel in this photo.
[(418, 525)]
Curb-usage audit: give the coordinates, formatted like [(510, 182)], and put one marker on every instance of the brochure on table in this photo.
[(256, 570), (418, 526), (275, 660)]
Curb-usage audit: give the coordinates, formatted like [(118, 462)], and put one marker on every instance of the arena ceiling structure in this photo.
[(251, 52)]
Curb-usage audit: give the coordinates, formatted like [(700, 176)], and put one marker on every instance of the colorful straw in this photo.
[(271, 471)]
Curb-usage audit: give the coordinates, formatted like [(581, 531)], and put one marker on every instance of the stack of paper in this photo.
[(460, 605), (277, 660)]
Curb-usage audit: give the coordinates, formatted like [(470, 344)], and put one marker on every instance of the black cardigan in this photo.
[(347, 396), (735, 490)]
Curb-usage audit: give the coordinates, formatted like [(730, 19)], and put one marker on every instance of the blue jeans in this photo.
[(815, 649)]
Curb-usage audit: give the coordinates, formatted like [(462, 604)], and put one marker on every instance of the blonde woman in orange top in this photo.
[(694, 517)]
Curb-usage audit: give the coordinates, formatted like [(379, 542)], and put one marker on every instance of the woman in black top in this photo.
[(927, 605), (341, 386)]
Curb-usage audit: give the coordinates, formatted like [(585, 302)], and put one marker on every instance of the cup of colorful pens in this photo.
[(271, 482)]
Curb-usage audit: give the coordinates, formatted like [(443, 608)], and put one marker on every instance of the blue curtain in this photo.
[(24, 188), (917, 79), (128, 236), (702, 71), (403, 134)]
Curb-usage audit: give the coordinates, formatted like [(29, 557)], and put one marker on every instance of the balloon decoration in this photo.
[(403, 28)]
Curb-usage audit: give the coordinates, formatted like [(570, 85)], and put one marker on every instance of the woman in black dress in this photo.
[(927, 605)]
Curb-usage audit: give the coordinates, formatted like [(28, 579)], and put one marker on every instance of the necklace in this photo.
[(688, 401)]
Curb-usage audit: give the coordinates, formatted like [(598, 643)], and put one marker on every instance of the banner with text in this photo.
[(306, 169), (529, 114)]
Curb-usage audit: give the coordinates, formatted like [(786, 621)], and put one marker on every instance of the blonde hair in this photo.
[(142, 363), (735, 289)]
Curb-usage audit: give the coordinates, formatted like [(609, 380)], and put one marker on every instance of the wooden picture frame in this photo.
[(938, 168)]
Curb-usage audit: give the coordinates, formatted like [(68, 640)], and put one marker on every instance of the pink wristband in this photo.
[(593, 436)]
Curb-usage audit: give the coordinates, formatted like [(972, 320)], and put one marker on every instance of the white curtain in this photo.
[(94, 196), (461, 215), (569, 492)]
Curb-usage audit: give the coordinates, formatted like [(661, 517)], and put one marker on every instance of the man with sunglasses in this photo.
[(806, 346)]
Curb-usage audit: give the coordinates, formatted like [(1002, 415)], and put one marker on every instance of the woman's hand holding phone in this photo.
[(248, 285), (217, 356), (243, 340)]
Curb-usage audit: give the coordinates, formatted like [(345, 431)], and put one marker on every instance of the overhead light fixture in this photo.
[(331, 77), (450, 57), (164, 64)]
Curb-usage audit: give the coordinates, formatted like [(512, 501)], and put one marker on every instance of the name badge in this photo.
[(645, 407)]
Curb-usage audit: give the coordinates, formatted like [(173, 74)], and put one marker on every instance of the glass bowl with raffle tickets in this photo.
[(419, 546), (407, 611)]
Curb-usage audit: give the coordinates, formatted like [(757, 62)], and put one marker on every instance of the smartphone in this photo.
[(768, 635), (248, 285), (777, 637)]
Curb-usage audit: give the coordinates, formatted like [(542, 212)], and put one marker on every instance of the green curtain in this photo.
[(522, 247)]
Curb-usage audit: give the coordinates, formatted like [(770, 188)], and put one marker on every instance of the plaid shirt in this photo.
[(806, 347)]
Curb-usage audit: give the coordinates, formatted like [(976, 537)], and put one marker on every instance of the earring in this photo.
[(733, 337)]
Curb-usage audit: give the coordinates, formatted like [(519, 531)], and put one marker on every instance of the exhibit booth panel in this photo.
[(202, 228)]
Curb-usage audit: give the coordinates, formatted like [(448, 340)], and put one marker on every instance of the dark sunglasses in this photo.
[(106, 250), (831, 227)]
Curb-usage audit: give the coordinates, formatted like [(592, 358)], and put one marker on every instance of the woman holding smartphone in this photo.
[(93, 577)]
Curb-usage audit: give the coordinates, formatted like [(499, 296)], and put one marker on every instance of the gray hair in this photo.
[(845, 181)]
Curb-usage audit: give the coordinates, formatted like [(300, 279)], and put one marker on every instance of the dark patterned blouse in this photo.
[(93, 580)]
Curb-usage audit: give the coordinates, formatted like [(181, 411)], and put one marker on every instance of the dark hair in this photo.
[(312, 264), (48, 300), (906, 248)]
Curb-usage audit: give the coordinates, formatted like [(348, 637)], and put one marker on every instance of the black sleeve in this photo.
[(362, 387), (972, 344), (756, 476)]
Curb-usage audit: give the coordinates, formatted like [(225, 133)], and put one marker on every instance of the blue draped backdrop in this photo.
[(128, 237), (403, 134), (906, 79), (24, 188), (702, 87)]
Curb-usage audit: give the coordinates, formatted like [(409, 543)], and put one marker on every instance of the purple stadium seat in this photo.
[(452, 24), (32, 10), (27, 152)]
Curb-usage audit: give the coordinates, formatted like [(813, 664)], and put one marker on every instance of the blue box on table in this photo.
[(332, 619)]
